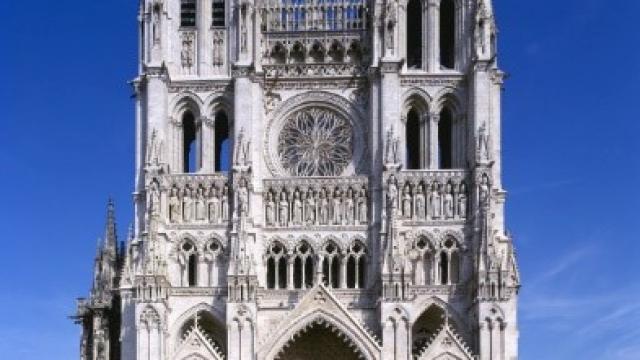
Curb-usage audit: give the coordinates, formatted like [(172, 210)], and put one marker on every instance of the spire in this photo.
[(110, 236)]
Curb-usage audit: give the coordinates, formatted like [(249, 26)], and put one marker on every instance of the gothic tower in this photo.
[(316, 179)]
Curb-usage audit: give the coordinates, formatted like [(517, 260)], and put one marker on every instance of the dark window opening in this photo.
[(445, 141), (193, 270), (188, 11), (455, 268), (362, 263), (271, 273), (444, 269), (335, 273), (282, 273), (189, 134), (414, 34), (413, 140), (217, 13), (308, 272), (351, 272), (297, 273), (447, 34), (223, 143)]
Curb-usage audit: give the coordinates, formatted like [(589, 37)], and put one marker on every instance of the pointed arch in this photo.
[(214, 326), (416, 131), (356, 338)]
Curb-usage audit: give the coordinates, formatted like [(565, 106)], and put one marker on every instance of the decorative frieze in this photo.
[(316, 202)]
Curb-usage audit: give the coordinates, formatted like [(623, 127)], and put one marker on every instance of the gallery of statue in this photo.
[(315, 179)]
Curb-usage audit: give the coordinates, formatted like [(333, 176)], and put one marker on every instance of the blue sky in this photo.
[(571, 123)]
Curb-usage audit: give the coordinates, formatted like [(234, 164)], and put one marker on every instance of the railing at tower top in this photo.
[(313, 15)]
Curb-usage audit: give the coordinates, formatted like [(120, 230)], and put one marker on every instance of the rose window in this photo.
[(315, 142)]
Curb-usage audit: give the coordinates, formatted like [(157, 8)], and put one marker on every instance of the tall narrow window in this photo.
[(190, 143), (222, 142), (303, 267), (445, 139), (447, 34), (444, 268), (217, 13), (413, 140), (276, 267), (188, 11), (356, 266), (414, 34), (193, 270)]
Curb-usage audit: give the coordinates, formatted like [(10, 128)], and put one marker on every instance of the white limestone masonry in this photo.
[(316, 179)]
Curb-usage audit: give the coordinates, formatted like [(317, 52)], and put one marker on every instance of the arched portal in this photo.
[(319, 342)]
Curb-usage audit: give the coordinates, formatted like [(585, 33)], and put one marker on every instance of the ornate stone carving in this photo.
[(316, 142)]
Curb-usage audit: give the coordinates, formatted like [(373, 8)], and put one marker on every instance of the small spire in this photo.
[(111, 238)]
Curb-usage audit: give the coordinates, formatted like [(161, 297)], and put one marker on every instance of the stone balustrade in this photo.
[(428, 195), (298, 202), (313, 15)]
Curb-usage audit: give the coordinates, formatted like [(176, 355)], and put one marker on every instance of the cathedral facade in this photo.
[(316, 179)]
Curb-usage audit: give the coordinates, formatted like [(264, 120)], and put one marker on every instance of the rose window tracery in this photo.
[(315, 142)]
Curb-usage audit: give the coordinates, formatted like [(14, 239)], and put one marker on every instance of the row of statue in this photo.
[(427, 202), (316, 207), (199, 205)]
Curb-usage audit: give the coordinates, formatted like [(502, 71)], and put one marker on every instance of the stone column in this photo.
[(434, 153), (207, 145), (433, 36)]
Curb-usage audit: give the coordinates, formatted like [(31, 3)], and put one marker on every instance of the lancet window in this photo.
[(190, 143), (276, 266), (188, 259), (331, 266), (356, 266), (445, 139), (424, 265), (414, 34), (449, 264), (188, 13), (222, 149), (303, 266), (447, 34), (414, 141)]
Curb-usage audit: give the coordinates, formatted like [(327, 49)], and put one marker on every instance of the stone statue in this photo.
[(421, 206), (200, 205), (392, 192), (462, 201), (337, 207), (392, 19), (186, 55), (270, 209), (187, 205), (214, 205), (154, 198), (436, 201), (310, 208), (155, 27), (448, 202), (484, 191), (297, 208), (363, 211), (224, 203), (324, 208), (349, 208), (483, 142), (283, 210), (243, 197), (407, 202)]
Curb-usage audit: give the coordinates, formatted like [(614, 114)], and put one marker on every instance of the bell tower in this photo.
[(315, 179)]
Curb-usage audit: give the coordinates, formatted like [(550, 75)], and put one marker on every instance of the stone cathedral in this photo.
[(315, 179)]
